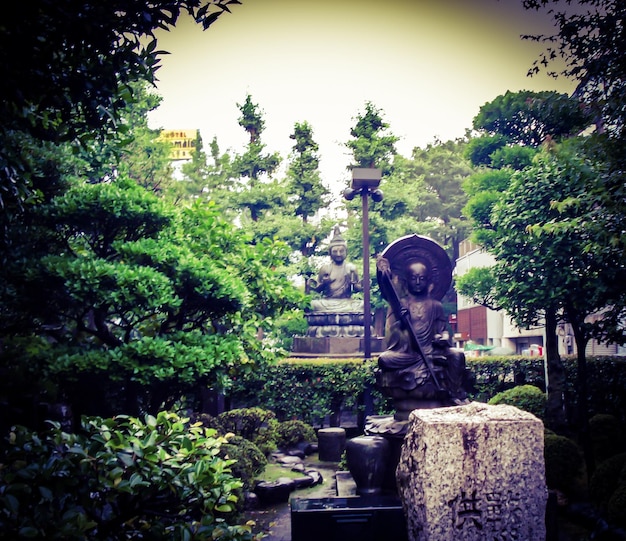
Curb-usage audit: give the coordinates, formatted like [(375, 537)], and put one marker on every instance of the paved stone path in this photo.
[(275, 521)]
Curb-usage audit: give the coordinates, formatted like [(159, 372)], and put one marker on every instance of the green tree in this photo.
[(550, 266), (307, 195), (512, 127), (136, 304), (306, 186), (67, 74), (444, 169), (253, 162), (372, 145), (144, 157), (423, 194), (591, 45), (207, 176), (257, 195), (527, 118)]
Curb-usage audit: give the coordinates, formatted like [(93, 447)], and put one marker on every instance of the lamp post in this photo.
[(365, 181)]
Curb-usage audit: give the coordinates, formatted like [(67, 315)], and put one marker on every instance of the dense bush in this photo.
[(254, 424), (313, 390), (607, 435), (499, 373), (291, 433), (606, 385), (307, 390), (119, 479), (249, 460), (291, 323), (526, 397), (564, 463), (606, 479)]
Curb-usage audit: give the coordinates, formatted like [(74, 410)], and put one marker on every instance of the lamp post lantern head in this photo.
[(366, 177)]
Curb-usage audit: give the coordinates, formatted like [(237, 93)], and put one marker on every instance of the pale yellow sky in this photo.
[(429, 65)]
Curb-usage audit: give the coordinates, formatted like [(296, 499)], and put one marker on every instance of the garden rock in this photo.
[(303, 482), (288, 460), (317, 477), (274, 492)]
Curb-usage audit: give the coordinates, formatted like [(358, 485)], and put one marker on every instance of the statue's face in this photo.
[(338, 253), (417, 279)]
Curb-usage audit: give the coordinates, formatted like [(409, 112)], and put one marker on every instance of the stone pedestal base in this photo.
[(309, 345), (473, 472)]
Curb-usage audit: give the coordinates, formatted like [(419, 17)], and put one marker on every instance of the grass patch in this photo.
[(273, 471)]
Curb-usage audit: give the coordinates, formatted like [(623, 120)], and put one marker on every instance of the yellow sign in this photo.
[(182, 142)]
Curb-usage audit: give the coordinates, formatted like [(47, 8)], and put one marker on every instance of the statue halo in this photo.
[(414, 248)]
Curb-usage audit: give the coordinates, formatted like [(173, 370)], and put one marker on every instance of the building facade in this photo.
[(479, 326), (182, 143)]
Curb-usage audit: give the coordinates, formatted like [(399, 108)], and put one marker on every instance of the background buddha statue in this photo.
[(337, 280)]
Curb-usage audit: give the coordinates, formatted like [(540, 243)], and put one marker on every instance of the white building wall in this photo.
[(501, 331)]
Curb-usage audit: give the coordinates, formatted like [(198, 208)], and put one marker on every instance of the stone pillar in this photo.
[(473, 472), (331, 443)]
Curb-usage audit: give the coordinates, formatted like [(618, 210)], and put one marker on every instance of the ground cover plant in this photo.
[(119, 478)]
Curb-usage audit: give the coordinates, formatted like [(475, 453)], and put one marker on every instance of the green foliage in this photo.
[(478, 284), (145, 158), (289, 325), (495, 374), (129, 289), (607, 435), (304, 390), (251, 118), (253, 162), (480, 149), (291, 433), (120, 478), (254, 424), (516, 157), (96, 53), (606, 479), (526, 397), (303, 173), (311, 390), (527, 118), (422, 195), (564, 463), (248, 461), (372, 144)]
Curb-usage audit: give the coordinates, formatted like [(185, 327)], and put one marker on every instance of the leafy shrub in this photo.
[(208, 421), (313, 389), (564, 463), (249, 460), (120, 478), (495, 374), (526, 397), (306, 390), (255, 424), (606, 478), (607, 436), (291, 433)]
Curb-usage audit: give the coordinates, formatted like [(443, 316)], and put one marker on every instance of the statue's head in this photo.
[(418, 278), (338, 249)]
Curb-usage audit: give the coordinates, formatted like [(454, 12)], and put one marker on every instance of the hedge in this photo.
[(315, 390)]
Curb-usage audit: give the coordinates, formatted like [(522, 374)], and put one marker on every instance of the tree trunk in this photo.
[(556, 417), (582, 408)]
